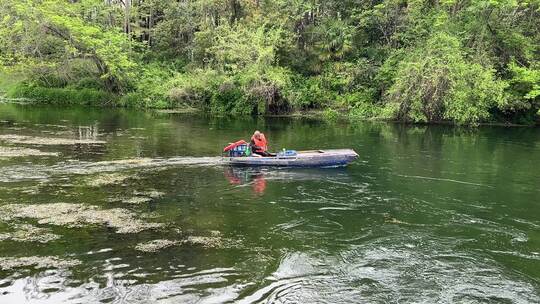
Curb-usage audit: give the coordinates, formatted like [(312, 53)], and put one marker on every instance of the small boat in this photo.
[(236, 156), (317, 158)]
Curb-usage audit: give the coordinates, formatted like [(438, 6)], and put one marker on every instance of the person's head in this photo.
[(257, 134)]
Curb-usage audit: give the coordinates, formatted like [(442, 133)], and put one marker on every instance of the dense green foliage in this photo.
[(446, 60)]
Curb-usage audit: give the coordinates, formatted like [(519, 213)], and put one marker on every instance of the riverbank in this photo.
[(327, 116), (14, 88)]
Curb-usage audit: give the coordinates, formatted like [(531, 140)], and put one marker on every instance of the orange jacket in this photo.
[(260, 144)]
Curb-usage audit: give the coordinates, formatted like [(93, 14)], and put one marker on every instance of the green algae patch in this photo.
[(78, 215), (106, 179), (128, 161), (47, 141), (142, 197), (204, 241), (137, 200), (37, 262), (8, 152), (155, 245), (150, 193), (29, 233), (214, 241)]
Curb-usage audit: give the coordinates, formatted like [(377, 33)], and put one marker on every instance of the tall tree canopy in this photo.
[(459, 60)]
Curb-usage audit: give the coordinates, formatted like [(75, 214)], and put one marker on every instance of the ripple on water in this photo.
[(394, 269), (433, 270), (47, 287), (217, 285)]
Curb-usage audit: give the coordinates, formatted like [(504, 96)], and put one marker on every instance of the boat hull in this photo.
[(318, 158)]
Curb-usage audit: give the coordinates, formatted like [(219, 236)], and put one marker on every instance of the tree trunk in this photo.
[(110, 17), (127, 9), (150, 26), (110, 82)]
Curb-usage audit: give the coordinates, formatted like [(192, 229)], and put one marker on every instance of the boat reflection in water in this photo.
[(259, 177), (245, 176)]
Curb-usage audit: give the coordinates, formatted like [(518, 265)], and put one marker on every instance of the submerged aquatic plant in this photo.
[(49, 141), (7, 152), (155, 245), (78, 215), (214, 241), (204, 241), (106, 179), (150, 193), (38, 262), (29, 233), (137, 200)]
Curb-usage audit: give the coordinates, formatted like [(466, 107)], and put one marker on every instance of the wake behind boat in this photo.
[(239, 154)]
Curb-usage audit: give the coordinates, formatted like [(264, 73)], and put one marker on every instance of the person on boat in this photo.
[(259, 145)]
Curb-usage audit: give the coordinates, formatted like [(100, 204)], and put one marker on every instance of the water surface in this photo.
[(426, 214)]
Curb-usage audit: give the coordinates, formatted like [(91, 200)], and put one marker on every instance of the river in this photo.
[(120, 206)]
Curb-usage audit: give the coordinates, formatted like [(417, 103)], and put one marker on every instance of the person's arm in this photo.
[(252, 144), (265, 148)]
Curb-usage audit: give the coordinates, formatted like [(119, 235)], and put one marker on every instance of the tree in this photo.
[(54, 33), (435, 82)]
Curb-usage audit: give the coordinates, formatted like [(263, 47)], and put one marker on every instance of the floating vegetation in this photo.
[(155, 245), (214, 241), (29, 233), (50, 141), (77, 215), (150, 193), (204, 241), (20, 172), (137, 200), (141, 197), (106, 179), (38, 262), (6, 152)]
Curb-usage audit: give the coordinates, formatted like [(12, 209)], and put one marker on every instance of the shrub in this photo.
[(195, 88), (268, 89), (62, 96), (365, 111), (436, 82), (250, 91), (330, 115), (132, 99), (311, 94), (230, 99), (90, 83)]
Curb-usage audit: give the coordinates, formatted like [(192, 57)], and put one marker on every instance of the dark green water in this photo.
[(427, 214)]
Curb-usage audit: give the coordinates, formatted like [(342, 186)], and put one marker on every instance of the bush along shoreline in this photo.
[(213, 105), (409, 61)]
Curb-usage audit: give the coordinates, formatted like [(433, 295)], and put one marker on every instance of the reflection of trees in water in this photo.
[(88, 132), (444, 163)]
